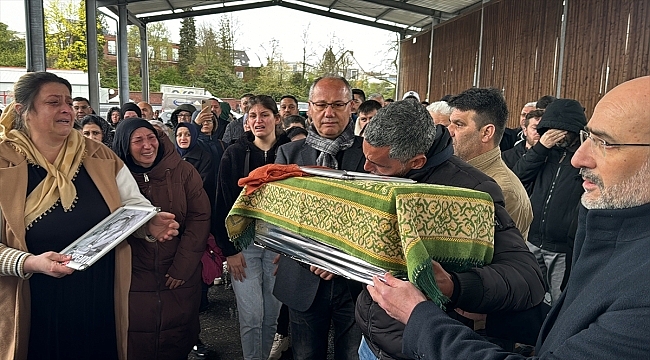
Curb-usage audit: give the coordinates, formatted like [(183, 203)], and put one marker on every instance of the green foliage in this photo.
[(65, 35), (12, 48), (187, 46)]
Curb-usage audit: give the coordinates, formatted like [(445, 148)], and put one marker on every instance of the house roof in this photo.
[(406, 17)]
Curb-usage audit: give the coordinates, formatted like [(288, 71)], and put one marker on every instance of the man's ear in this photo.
[(487, 133), (418, 161)]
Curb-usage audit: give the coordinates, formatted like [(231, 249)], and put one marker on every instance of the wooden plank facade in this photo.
[(607, 42)]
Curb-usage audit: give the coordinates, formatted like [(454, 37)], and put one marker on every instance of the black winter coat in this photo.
[(555, 195), (512, 282), (233, 168)]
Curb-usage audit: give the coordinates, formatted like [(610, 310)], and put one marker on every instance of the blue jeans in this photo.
[(364, 351), (258, 308), (333, 304), (553, 266)]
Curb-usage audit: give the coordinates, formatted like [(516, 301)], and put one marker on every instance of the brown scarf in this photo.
[(57, 184)]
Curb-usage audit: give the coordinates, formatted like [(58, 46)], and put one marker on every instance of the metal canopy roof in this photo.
[(406, 17)]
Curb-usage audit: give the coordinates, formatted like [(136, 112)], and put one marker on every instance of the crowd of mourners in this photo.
[(571, 240)]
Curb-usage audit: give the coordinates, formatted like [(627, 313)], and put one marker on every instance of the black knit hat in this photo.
[(130, 107), (563, 114)]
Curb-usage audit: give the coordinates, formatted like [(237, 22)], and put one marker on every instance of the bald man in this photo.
[(604, 311)]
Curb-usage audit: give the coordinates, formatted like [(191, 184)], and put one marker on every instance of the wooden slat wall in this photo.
[(455, 54), (521, 56), (414, 61), (519, 51), (599, 54)]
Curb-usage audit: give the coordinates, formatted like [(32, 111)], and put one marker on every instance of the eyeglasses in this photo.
[(322, 106), (600, 143), (186, 116)]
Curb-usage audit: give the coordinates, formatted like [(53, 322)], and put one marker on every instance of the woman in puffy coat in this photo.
[(166, 277)]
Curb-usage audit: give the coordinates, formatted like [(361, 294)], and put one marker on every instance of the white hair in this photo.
[(439, 107)]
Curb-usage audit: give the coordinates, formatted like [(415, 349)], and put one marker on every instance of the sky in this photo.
[(256, 28)]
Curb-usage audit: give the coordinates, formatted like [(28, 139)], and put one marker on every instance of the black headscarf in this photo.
[(194, 137), (130, 107), (107, 129), (122, 143)]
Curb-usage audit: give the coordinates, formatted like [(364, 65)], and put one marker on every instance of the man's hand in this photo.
[(173, 283), (324, 274), (48, 263), (236, 266), (163, 226), (397, 297), (443, 279), (552, 137)]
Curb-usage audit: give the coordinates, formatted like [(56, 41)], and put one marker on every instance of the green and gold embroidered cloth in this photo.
[(398, 227)]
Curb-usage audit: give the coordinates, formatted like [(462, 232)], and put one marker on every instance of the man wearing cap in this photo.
[(411, 94), (183, 113), (556, 191)]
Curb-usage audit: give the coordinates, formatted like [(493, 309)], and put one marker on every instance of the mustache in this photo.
[(590, 176)]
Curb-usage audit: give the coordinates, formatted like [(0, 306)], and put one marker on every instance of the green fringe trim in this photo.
[(424, 279), (243, 240)]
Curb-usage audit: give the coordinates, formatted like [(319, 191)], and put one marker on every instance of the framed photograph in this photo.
[(106, 235)]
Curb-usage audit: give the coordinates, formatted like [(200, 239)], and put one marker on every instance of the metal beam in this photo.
[(123, 55), (144, 63), (560, 66), (35, 35), (347, 18), (91, 54), (218, 10), (403, 6)]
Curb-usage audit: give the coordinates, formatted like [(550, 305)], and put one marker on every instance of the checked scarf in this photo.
[(329, 148)]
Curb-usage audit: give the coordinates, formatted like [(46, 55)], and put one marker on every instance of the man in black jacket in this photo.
[(316, 298), (402, 140), (556, 190)]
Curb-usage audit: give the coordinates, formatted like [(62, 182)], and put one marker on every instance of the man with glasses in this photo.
[(556, 189), (316, 298), (604, 311), (81, 107), (182, 114)]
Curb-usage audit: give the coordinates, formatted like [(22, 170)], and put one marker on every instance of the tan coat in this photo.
[(102, 166), (517, 202)]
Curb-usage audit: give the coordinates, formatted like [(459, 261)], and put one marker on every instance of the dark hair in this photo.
[(489, 105), (293, 119), (544, 101), (107, 134), (446, 98), (79, 98), (359, 92), (368, 106), (28, 87), (264, 100), (535, 114), (389, 100), (247, 95), (110, 112), (289, 97), (295, 131)]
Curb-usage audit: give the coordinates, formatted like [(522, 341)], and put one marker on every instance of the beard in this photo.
[(631, 192)]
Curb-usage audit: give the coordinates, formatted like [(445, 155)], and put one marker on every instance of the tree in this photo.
[(187, 45), (12, 48), (65, 35)]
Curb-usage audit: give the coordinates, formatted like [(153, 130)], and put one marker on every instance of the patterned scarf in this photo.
[(57, 184), (329, 148)]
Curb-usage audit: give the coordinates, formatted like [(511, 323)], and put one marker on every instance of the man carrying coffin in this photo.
[(403, 141)]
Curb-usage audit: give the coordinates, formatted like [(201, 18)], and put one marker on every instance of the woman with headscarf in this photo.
[(166, 286), (98, 129), (190, 150), (113, 116), (56, 185), (252, 269)]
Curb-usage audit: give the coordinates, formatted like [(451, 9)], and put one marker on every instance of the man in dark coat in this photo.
[(605, 309), (403, 141), (316, 297), (556, 191)]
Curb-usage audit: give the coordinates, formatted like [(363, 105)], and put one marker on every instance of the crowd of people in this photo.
[(570, 241)]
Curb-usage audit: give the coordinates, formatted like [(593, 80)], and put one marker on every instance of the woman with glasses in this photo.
[(183, 113)]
